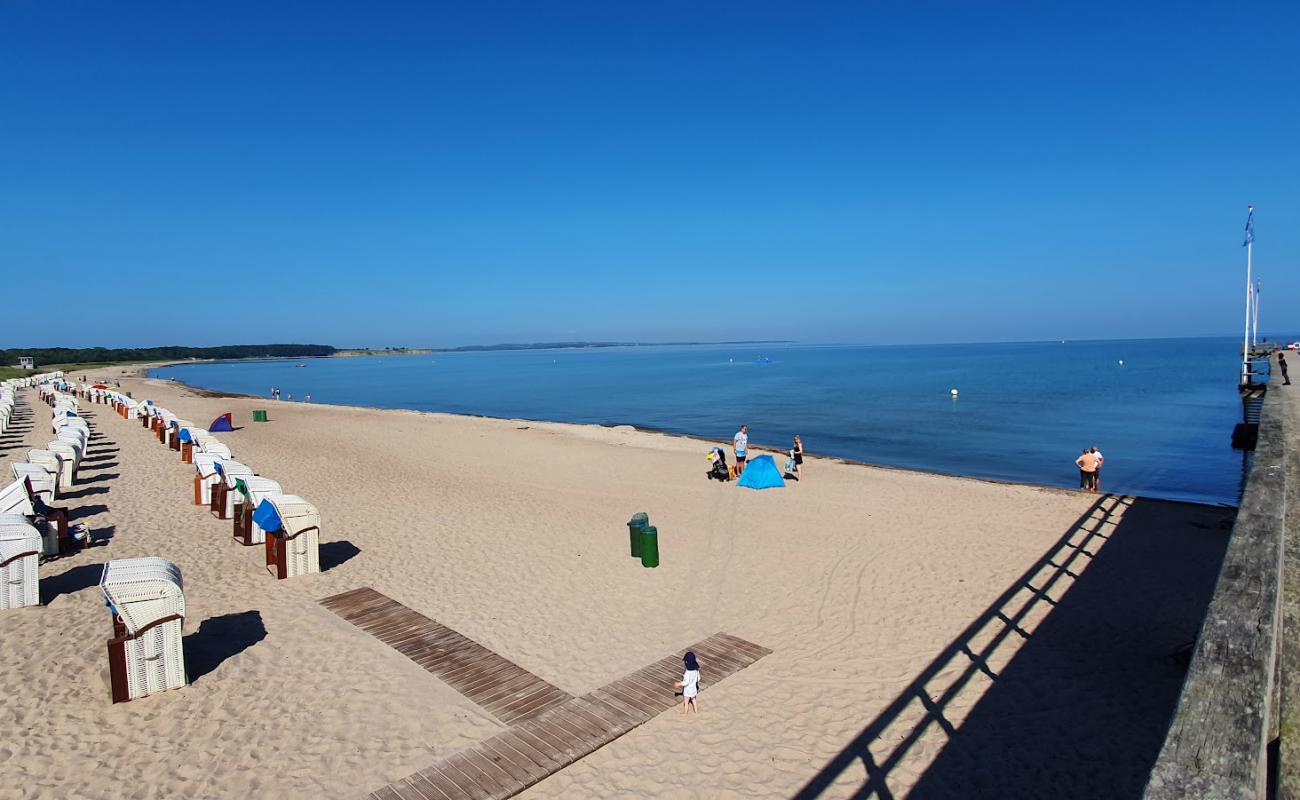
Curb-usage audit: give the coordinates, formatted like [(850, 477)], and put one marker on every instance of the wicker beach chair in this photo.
[(188, 437), (52, 464), (205, 475), (293, 535), (147, 598), (70, 455), (40, 480), (225, 497), (210, 445), (20, 552), (256, 489)]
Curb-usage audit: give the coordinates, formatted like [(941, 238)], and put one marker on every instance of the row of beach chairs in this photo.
[(261, 513), (32, 529), (144, 595)]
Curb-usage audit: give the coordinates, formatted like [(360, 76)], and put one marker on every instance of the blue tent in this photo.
[(221, 423), (761, 473)]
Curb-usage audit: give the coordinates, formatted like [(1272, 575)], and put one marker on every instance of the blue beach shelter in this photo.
[(761, 473)]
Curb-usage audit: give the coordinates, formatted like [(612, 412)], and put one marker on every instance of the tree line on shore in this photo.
[(98, 355)]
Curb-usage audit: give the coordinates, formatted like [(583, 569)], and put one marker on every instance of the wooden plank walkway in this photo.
[(504, 689), (517, 758)]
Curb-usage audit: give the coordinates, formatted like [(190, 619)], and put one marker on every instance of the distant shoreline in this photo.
[(516, 347)]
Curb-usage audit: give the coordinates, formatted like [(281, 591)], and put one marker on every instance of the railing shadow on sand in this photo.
[(1030, 679)]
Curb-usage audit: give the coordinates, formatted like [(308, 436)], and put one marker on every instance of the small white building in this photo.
[(26, 362)]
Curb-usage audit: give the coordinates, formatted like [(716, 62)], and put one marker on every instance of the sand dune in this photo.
[(513, 533)]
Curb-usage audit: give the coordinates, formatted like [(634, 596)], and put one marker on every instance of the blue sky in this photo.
[(431, 173)]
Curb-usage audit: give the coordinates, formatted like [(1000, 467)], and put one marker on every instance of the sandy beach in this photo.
[(931, 636)]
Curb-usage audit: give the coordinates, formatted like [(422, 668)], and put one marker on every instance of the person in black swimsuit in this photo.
[(798, 459)]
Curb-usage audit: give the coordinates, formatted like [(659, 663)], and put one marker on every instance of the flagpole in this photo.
[(1254, 322), (1245, 339)]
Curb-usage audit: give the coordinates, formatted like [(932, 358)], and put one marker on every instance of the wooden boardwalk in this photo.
[(515, 759), (506, 690)]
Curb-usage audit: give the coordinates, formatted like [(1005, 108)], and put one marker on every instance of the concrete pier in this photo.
[(1236, 731)]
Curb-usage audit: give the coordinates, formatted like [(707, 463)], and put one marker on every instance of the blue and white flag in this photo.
[(1250, 226)]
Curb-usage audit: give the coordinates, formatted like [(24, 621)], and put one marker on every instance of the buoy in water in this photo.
[(953, 392), (1121, 362)]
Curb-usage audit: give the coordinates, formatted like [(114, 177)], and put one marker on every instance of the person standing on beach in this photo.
[(740, 443), (690, 684), (797, 453), (1281, 364), (1087, 464), (1096, 473)]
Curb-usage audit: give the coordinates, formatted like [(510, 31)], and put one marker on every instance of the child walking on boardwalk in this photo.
[(690, 684)]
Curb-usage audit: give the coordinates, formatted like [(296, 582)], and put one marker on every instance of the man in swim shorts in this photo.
[(740, 443)]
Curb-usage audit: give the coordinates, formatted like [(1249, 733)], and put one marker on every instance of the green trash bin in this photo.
[(636, 529), (650, 547), (259, 415), (128, 394)]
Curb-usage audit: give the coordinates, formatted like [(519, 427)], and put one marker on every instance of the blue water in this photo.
[(1024, 411)]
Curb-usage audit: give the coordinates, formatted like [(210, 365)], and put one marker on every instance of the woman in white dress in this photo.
[(690, 684)]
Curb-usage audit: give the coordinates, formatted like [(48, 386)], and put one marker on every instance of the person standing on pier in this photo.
[(1281, 364)]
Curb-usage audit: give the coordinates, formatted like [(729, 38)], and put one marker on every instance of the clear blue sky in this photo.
[(429, 173)]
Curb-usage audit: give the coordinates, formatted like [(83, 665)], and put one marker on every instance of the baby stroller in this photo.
[(718, 469)]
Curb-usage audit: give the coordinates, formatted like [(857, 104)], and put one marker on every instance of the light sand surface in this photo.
[(1039, 623)]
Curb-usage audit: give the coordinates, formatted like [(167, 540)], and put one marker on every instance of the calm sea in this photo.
[(1162, 411)]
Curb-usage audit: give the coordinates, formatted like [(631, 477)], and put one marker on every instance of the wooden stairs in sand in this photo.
[(550, 729)]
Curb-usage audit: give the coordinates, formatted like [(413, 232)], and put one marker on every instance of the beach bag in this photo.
[(789, 465)]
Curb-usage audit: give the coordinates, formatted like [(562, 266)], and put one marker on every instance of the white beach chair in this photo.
[(205, 475), (258, 489), (40, 482), (71, 458), (189, 440), (74, 424), (77, 438), (52, 464), (73, 436), (61, 418), (293, 548), (147, 598), (211, 446), (183, 441), (14, 499), (225, 498), (172, 431), (20, 552)]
